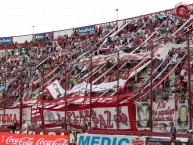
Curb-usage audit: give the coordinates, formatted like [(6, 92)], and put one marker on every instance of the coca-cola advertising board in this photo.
[(11, 115), (27, 139)]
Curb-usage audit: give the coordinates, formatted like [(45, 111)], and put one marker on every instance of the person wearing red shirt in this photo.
[(173, 137)]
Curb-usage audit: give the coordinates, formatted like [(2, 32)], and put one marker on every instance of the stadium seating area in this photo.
[(144, 56)]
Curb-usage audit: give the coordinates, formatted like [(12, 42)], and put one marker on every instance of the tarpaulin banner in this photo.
[(95, 139), (143, 115), (163, 112), (9, 116), (182, 123), (26, 139), (6, 40), (101, 118), (85, 29), (42, 36), (154, 142)]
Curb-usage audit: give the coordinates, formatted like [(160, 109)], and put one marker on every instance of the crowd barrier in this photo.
[(64, 137)]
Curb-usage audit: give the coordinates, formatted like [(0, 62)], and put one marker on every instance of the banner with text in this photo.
[(43, 36), (86, 29), (6, 40), (158, 142), (163, 112), (101, 118), (21, 139), (9, 116), (96, 139)]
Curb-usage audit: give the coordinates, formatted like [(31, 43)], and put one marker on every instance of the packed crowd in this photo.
[(49, 58)]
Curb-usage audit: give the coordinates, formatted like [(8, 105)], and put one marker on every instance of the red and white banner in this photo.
[(9, 116), (21, 139), (55, 89), (163, 112), (101, 118)]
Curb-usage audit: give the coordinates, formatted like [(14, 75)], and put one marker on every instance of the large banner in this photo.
[(55, 89), (51, 117), (143, 115), (101, 118), (86, 29), (21, 139), (6, 40), (182, 123), (95, 139), (157, 142), (163, 112), (42, 36), (9, 116)]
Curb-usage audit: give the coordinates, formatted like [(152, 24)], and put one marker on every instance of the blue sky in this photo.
[(19, 16)]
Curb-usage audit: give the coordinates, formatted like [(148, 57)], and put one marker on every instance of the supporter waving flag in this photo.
[(55, 89)]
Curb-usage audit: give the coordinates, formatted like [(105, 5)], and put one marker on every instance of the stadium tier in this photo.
[(124, 76)]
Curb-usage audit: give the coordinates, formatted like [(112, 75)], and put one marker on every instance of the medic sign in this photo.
[(94, 139), (21, 139)]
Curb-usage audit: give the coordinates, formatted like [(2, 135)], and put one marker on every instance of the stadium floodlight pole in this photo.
[(33, 34), (90, 91), (21, 99), (117, 10), (117, 89), (189, 81), (151, 87)]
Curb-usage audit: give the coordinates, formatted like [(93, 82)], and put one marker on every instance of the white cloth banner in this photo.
[(55, 89), (182, 119), (83, 87), (9, 116), (143, 115), (163, 112), (104, 117)]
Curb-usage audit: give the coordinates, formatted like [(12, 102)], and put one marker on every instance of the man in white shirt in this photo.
[(24, 127)]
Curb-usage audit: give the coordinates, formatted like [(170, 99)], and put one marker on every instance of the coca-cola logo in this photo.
[(19, 139), (58, 141)]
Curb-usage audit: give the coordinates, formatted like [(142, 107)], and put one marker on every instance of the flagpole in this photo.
[(151, 85), (189, 81), (21, 99), (90, 90), (42, 117), (65, 96), (117, 89)]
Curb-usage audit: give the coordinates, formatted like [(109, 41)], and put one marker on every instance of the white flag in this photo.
[(55, 89)]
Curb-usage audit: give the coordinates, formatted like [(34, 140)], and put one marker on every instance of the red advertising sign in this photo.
[(26, 139)]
